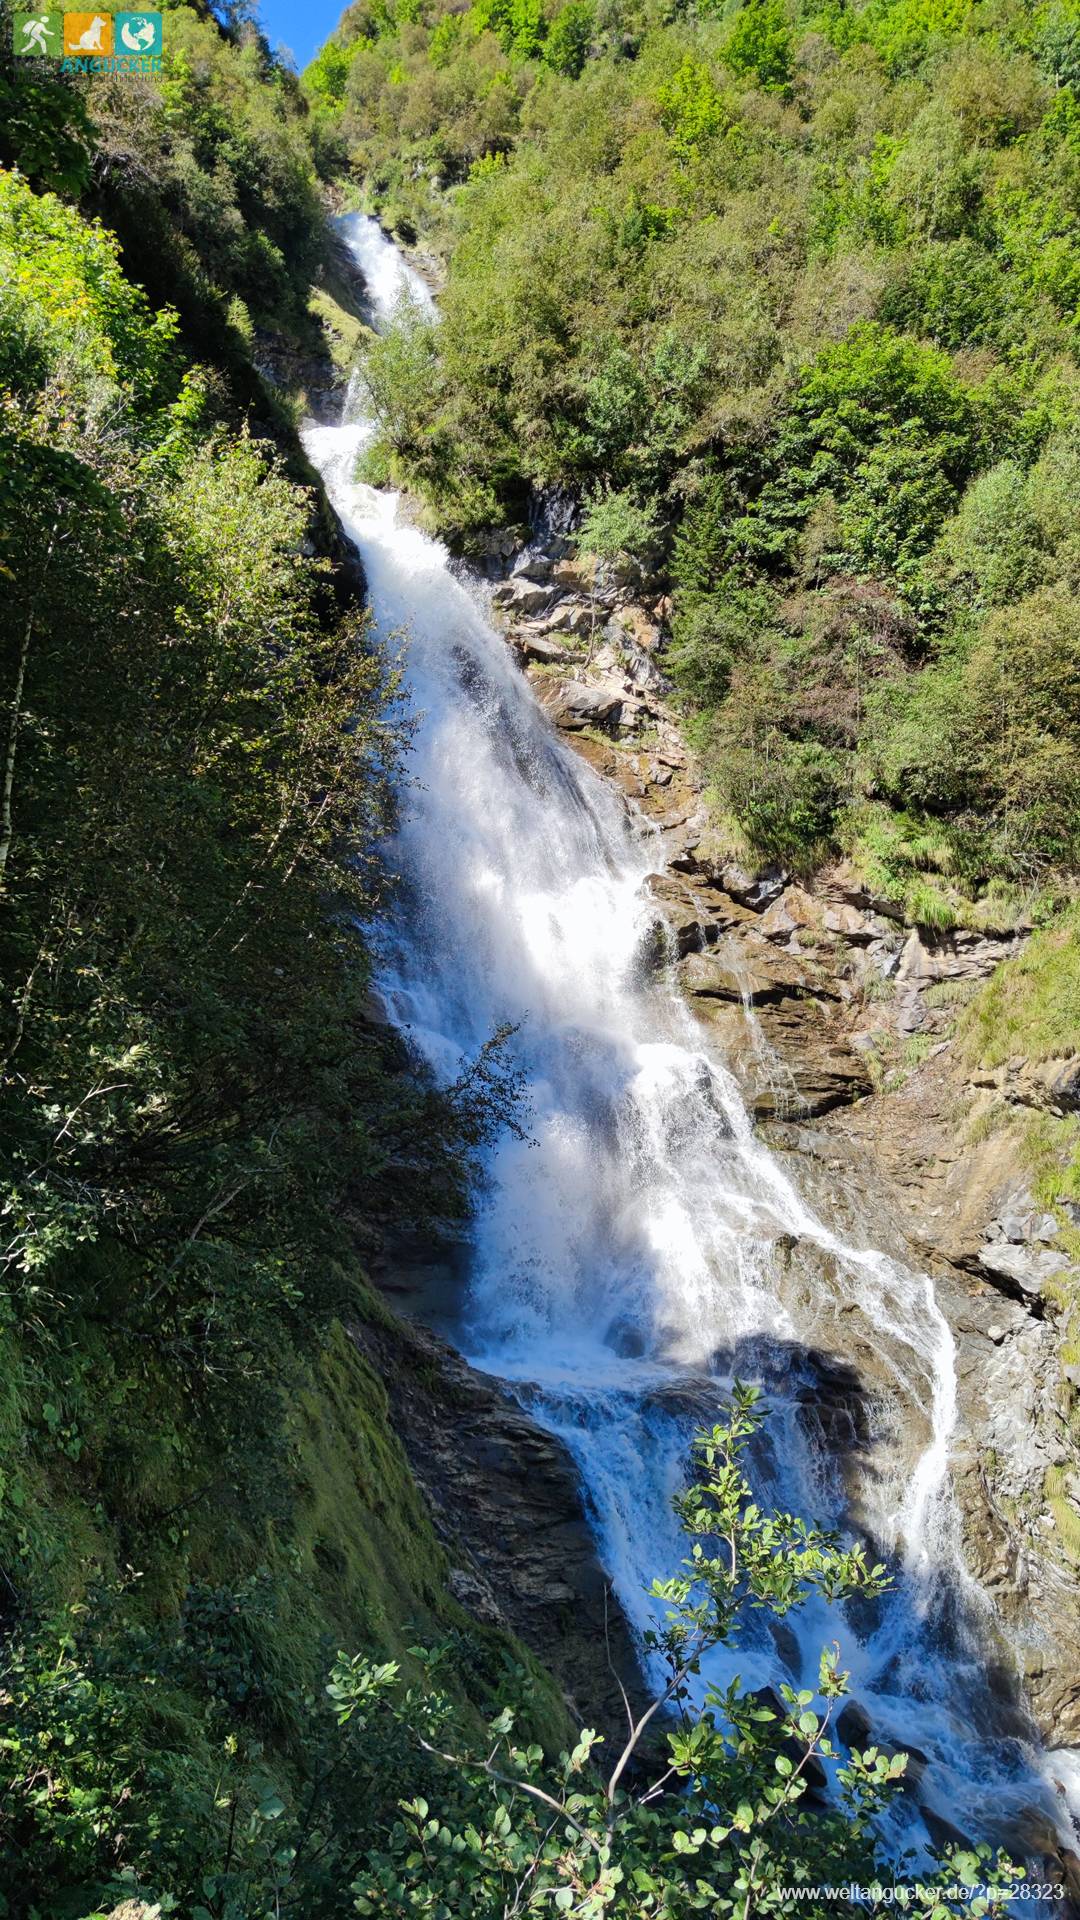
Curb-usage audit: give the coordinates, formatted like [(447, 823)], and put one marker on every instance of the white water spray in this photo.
[(633, 1256)]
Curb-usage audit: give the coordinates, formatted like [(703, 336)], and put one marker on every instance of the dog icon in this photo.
[(88, 33)]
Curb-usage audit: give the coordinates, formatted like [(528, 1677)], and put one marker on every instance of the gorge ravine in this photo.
[(643, 1247)]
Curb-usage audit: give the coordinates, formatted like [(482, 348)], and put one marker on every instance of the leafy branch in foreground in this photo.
[(732, 1819)]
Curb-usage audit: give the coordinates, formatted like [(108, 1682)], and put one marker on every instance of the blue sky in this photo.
[(302, 25)]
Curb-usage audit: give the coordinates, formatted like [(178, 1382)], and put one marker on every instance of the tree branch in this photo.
[(520, 1786)]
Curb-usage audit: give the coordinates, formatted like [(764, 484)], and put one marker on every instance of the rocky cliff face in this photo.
[(507, 1508), (838, 1020)]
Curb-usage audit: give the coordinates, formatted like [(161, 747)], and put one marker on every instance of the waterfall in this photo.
[(635, 1253)]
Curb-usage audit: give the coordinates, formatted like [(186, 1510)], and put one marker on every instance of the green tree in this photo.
[(721, 1824), (906, 32), (884, 427), (45, 129), (569, 36), (759, 44), (692, 108)]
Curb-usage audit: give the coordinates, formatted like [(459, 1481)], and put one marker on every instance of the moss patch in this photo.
[(1032, 1004), (205, 1599), (1065, 1515), (342, 330)]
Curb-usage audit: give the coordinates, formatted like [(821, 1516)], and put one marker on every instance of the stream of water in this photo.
[(630, 1257)]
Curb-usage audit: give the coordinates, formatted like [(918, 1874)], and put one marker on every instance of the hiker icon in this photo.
[(39, 34)]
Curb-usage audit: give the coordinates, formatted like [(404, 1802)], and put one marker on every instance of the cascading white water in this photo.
[(630, 1257)]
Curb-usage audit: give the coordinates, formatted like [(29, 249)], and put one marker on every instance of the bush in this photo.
[(618, 526)]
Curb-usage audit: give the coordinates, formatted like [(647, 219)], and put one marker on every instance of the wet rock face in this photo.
[(507, 1505), (773, 1014), (836, 1018), (823, 1069), (883, 1170), (791, 1061)]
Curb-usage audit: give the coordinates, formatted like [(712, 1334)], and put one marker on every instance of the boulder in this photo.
[(532, 565), (791, 913), (573, 706), (643, 672), (916, 965), (854, 1727), (756, 890), (521, 595), (605, 659), (541, 648), (1031, 1836), (811, 1768), (567, 617), (1062, 1081), (668, 750), (1022, 1222), (1028, 1268), (849, 923), (942, 1832)]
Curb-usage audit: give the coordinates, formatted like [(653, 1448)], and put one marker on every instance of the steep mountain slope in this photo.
[(202, 1495)]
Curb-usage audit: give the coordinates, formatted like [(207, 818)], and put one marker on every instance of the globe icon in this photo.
[(138, 35)]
